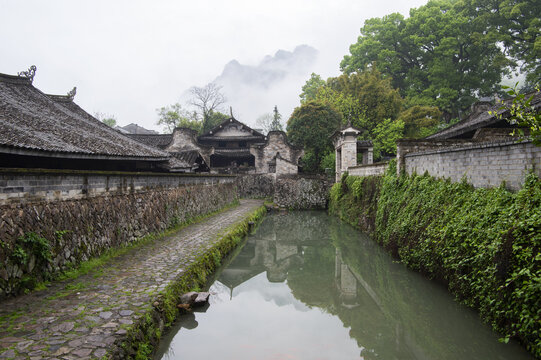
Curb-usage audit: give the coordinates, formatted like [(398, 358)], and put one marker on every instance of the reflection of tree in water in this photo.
[(392, 312)]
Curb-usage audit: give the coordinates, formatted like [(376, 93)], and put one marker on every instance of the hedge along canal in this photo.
[(482, 243)]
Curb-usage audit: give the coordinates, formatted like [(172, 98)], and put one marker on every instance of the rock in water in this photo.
[(201, 299), (188, 298)]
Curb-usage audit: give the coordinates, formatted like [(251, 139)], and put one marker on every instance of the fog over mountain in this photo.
[(253, 90)]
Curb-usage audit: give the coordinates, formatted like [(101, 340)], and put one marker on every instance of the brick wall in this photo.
[(369, 169), (47, 185), (483, 164)]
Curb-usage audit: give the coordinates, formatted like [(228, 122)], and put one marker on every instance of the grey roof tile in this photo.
[(32, 120)]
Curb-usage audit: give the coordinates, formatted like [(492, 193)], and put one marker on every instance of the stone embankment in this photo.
[(93, 315)]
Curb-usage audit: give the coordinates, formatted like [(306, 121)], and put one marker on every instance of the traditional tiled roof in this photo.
[(32, 122), (160, 141), (136, 129), (189, 157), (232, 138), (364, 143), (217, 128), (479, 119)]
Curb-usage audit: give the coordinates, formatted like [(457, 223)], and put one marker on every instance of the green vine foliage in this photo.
[(27, 262), (483, 243)]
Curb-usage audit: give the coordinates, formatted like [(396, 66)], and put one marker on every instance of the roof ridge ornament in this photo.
[(72, 92), (29, 74), (231, 112)]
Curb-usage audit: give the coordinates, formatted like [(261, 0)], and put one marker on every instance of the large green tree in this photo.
[(311, 87), (420, 121), (516, 24), (374, 96), (311, 126), (439, 56)]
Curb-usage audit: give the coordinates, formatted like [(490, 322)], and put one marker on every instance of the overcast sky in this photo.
[(128, 58)]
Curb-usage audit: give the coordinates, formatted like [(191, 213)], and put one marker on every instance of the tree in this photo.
[(310, 88), (350, 108), (214, 118), (439, 56), (276, 124), (264, 122), (268, 122), (108, 120), (523, 114), (173, 116), (207, 100), (369, 96), (420, 121), (311, 126), (516, 25), (385, 136)]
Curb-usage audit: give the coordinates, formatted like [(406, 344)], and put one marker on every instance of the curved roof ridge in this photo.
[(15, 79)]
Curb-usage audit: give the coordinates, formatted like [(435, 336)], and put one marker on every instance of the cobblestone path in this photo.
[(82, 318)]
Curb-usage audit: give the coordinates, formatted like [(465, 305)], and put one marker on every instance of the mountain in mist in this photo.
[(253, 90), (270, 70)]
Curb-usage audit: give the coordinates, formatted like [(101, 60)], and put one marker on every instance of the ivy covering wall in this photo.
[(483, 243)]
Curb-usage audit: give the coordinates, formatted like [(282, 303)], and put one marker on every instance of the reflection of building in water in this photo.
[(346, 283)]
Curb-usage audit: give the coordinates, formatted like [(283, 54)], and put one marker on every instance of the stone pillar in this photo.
[(338, 165), (349, 151), (345, 145)]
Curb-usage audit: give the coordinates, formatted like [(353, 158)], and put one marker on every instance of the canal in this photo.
[(306, 286)]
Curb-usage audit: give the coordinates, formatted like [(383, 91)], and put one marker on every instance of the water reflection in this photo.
[(306, 286)]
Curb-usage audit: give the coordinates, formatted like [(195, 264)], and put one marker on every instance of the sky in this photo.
[(129, 58)]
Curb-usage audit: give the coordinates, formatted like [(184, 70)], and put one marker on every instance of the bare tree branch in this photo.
[(207, 99)]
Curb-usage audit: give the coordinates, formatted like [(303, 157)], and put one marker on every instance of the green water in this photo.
[(306, 286)]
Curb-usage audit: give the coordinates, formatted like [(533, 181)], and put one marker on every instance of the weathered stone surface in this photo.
[(82, 352), (188, 298), (106, 315), (64, 327), (201, 299), (302, 192), (289, 191)]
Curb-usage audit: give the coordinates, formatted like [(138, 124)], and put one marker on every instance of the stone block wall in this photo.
[(369, 169), (300, 193), (285, 167), (79, 224), (482, 164), (256, 186), (276, 143), (290, 191)]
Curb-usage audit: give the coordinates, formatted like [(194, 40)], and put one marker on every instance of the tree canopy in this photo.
[(311, 87), (173, 116), (449, 52), (311, 126)]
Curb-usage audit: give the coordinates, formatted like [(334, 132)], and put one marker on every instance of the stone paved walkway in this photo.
[(81, 318)]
